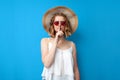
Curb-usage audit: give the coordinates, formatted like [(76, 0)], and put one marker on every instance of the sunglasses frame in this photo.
[(62, 23)]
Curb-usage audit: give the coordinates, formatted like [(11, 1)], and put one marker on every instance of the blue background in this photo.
[(97, 38)]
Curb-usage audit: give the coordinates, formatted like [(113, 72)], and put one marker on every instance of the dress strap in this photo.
[(49, 44), (48, 40)]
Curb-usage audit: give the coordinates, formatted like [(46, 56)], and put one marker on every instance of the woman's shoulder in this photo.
[(44, 40), (70, 42)]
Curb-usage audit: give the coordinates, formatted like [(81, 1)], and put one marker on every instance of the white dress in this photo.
[(62, 67)]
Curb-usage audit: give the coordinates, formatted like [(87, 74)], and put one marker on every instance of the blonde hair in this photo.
[(68, 30)]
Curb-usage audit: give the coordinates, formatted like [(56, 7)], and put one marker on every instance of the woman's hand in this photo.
[(59, 34)]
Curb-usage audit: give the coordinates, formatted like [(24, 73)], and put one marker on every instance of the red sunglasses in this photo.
[(62, 23)]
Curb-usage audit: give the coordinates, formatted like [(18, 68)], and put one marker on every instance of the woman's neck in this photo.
[(61, 40)]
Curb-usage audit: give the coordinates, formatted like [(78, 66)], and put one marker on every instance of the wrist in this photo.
[(55, 40)]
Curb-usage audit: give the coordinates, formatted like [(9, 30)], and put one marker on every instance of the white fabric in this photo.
[(63, 78), (62, 67)]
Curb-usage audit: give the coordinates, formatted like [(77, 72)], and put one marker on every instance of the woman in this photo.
[(59, 54)]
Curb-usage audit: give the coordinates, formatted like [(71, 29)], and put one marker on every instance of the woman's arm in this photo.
[(48, 55), (76, 71)]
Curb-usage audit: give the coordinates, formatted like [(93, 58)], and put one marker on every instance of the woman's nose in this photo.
[(59, 27)]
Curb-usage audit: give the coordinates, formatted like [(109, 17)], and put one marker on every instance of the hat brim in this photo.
[(60, 9)]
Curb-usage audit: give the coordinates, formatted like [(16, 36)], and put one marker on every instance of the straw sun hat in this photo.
[(60, 9)]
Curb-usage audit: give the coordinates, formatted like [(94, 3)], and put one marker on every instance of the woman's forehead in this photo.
[(60, 18)]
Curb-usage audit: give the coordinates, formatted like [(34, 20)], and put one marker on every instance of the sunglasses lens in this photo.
[(63, 23), (56, 23)]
